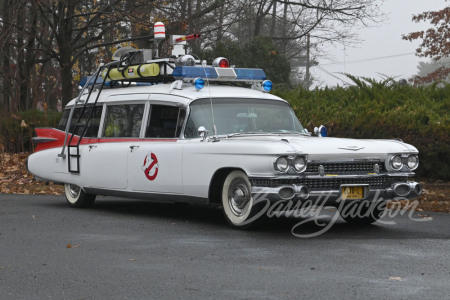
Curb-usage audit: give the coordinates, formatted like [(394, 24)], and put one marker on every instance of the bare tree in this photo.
[(39, 36)]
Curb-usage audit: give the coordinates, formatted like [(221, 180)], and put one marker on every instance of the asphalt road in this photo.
[(131, 249)]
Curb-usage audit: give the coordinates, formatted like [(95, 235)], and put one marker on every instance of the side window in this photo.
[(165, 121), (63, 122), (94, 121), (93, 125), (123, 120)]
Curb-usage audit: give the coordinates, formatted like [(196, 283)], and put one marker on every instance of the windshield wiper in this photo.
[(291, 132), (266, 133), (246, 133)]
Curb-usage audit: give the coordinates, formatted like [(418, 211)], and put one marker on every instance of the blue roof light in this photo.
[(85, 79), (267, 85), (242, 74), (199, 83), (181, 72), (323, 131), (250, 74)]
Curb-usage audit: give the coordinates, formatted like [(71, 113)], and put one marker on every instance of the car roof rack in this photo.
[(138, 67)]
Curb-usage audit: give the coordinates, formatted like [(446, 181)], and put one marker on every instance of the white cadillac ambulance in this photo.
[(171, 130)]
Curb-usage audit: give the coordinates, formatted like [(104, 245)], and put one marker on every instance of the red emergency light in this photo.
[(221, 62)]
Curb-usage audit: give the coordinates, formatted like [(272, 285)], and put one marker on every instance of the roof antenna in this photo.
[(215, 138)]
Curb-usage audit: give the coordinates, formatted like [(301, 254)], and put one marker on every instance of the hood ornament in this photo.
[(353, 148)]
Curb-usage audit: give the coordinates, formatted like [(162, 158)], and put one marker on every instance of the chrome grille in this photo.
[(345, 167), (329, 183)]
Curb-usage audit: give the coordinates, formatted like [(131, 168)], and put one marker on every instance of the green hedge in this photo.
[(417, 115)]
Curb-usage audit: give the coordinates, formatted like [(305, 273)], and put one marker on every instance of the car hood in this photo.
[(337, 147)]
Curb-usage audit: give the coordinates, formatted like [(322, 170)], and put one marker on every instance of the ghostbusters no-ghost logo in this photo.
[(150, 166)]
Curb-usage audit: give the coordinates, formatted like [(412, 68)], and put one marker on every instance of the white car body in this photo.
[(230, 168)]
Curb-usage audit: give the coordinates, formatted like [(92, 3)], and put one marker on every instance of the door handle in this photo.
[(92, 146), (132, 147)]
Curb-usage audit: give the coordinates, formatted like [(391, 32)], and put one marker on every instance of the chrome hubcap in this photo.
[(238, 198), (74, 190)]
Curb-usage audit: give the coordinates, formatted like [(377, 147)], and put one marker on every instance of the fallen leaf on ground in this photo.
[(426, 217), (395, 278)]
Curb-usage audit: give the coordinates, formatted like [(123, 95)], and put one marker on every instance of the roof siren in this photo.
[(159, 34), (159, 31)]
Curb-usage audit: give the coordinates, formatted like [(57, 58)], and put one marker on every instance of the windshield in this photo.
[(238, 116)]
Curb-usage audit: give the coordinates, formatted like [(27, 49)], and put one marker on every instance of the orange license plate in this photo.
[(352, 193)]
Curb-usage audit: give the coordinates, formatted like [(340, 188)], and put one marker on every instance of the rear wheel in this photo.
[(362, 212), (237, 201), (76, 197)]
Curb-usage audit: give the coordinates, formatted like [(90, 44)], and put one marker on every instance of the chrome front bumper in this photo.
[(397, 191)]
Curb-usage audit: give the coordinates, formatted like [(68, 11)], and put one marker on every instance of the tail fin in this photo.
[(48, 138)]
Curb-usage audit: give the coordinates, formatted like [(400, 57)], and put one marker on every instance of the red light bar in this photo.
[(188, 37)]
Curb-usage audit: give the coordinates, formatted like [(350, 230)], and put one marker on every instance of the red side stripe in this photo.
[(60, 135)]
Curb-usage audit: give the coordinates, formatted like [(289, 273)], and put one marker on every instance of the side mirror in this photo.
[(202, 132), (321, 131)]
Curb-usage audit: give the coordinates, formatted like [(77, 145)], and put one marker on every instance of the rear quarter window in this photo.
[(93, 124), (123, 120)]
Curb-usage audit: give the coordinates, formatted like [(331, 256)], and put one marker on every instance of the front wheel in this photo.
[(76, 197), (362, 212), (237, 202)]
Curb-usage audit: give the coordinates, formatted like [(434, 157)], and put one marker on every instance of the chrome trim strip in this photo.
[(37, 140), (155, 197), (304, 176)]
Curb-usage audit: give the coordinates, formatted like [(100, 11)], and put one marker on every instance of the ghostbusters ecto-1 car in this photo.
[(176, 135)]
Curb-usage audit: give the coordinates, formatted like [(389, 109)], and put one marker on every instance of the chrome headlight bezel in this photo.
[(402, 162), (290, 163), (299, 163), (281, 164), (396, 158), (416, 158)]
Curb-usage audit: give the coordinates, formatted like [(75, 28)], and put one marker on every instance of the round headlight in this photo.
[(282, 164), (299, 163), (396, 162), (412, 162)]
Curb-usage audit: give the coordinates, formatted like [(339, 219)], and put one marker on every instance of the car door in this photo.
[(155, 161), (106, 157)]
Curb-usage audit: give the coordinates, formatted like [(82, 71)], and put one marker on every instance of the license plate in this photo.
[(352, 193)]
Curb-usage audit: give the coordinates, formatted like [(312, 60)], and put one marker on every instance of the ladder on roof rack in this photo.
[(74, 167)]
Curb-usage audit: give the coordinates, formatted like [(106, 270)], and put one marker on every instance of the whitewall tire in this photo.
[(237, 201), (76, 197)]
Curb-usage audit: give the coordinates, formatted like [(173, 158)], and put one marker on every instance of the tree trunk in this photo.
[(29, 63), (6, 82), (66, 83), (274, 19), (220, 30), (20, 75), (284, 26), (64, 38)]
